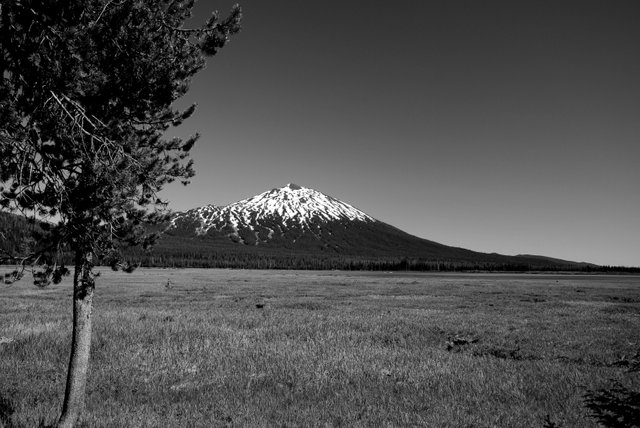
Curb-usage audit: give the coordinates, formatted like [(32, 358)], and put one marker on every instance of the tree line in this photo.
[(226, 259)]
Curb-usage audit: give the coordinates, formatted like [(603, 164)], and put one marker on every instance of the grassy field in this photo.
[(201, 348)]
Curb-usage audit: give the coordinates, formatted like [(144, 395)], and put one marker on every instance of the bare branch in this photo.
[(101, 12)]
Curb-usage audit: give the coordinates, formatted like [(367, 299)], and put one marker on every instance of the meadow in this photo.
[(202, 348)]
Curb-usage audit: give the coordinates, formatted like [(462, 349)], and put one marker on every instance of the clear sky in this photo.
[(497, 126)]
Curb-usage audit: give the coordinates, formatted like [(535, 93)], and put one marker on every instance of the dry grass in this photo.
[(291, 348)]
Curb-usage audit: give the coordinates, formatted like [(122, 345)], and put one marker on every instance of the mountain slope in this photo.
[(300, 222)]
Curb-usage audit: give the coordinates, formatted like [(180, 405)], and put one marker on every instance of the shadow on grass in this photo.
[(617, 406), (7, 409), (548, 423)]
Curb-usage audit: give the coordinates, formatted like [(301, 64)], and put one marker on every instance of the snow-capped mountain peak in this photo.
[(291, 206), (297, 204)]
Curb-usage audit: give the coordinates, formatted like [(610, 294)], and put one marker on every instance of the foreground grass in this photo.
[(290, 348)]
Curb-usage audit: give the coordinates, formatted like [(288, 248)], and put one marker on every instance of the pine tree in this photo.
[(86, 93)]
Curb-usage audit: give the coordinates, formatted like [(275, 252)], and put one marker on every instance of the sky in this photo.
[(498, 126)]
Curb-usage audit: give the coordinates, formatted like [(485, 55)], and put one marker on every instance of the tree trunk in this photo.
[(83, 286)]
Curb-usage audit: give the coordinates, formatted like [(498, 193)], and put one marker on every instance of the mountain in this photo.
[(300, 228), (294, 224)]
